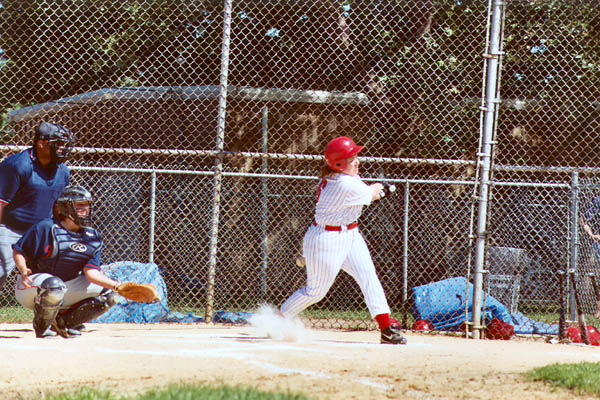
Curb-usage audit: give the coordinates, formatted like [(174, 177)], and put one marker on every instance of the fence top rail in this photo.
[(311, 157), (215, 153), (537, 168), (260, 175)]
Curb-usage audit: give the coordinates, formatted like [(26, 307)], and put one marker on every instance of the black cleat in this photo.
[(392, 335), (73, 332), (48, 333), (63, 331)]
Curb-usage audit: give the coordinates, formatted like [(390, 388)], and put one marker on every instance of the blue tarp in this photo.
[(129, 271), (524, 325), (443, 304), (127, 311)]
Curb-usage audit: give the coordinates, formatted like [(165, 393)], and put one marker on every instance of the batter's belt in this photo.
[(338, 228)]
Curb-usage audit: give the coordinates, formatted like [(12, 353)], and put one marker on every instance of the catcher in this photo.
[(59, 264)]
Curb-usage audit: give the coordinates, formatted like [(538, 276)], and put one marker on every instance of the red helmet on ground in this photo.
[(499, 330), (339, 150), (574, 334), (593, 335), (423, 325)]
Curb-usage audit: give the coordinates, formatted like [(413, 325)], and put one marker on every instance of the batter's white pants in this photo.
[(77, 289), (326, 252)]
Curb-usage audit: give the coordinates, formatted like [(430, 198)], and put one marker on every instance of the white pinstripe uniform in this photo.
[(340, 200)]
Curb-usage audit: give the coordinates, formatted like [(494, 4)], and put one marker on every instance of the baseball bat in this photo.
[(596, 292), (595, 285), (580, 315), (562, 301)]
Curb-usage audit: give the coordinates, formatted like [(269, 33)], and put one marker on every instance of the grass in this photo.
[(15, 314), (582, 378), (180, 392)]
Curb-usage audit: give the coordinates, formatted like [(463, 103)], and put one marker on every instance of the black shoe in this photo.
[(63, 331), (48, 333), (392, 335), (71, 332)]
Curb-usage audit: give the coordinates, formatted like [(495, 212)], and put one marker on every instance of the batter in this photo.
[(334, 242)]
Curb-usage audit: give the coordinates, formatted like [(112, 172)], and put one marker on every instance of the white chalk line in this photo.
[(248, 359), (292, 371), (245, 353)]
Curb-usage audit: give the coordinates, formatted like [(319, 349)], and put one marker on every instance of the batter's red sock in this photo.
[(384, 321)]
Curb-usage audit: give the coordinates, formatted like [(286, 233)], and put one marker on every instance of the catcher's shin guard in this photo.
[(47, 303), (84, 311)]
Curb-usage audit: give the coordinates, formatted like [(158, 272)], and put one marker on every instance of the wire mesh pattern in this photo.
[(221, 205)]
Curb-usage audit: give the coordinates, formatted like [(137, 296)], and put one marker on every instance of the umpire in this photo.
[(30, 183)]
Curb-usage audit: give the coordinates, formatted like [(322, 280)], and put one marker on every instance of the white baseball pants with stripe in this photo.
[(77, 289), (326, 252)]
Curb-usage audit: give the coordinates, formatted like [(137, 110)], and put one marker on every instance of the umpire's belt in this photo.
[(338, 228)]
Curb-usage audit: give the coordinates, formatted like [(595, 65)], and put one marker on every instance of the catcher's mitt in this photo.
[(140, 293)]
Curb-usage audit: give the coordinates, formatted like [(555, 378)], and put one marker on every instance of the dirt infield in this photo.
[(127, 358)]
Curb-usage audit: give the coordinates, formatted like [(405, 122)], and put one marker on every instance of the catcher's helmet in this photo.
[(61, 140), (68, 205), (339, 150)]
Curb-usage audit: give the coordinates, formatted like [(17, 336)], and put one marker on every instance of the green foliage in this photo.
[(15, 314), (419, 62), (61, 48), (582, 378), (180, 392)]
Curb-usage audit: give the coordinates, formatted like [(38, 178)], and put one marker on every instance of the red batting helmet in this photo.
[(574, 334), (593, 335), (423, 326), (339, 150), (499, 330)]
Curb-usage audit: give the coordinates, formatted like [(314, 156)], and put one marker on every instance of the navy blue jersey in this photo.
[(29, 189), (50, 248)]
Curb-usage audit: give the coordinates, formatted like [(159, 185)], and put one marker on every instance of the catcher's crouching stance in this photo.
[(59, 264)]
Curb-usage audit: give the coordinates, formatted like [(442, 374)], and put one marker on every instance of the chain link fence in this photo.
[(200, 127)]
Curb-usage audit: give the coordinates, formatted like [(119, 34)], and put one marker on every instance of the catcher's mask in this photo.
[(339, 150), (76, 202), (60, 138)]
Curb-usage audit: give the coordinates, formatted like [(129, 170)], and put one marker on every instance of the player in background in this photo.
[(30, 183), (334, 242), (590, 220), (59, 264)]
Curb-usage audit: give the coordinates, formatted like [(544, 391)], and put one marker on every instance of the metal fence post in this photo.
[(492, 91), (212, 262), (405, 245), (264, 204), (574, 242), (152, 218)]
